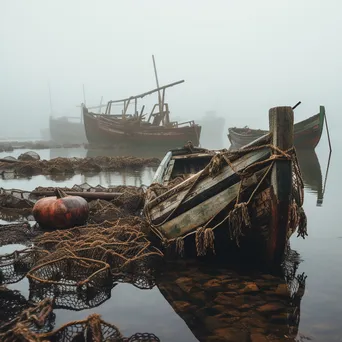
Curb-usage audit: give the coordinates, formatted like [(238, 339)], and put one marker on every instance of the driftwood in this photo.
[(86, 195)]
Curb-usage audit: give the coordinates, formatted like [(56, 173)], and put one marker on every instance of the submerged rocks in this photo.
[(227, 306), (250, 288)]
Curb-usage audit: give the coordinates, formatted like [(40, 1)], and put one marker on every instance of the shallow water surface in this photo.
[(193, 302)]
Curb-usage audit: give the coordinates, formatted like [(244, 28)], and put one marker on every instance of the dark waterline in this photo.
[(134, 310)]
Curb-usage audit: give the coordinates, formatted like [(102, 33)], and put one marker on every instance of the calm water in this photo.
[(200, 303)]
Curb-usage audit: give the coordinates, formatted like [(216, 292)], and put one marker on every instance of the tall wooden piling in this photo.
[(281, 127)]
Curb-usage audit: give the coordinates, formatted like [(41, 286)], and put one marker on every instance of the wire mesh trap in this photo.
[(85, 262), (75, 283), (71, 298), (14, 266)]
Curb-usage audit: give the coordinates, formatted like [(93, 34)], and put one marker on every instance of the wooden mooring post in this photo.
[(281, 128)]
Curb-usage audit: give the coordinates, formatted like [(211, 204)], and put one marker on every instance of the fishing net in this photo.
[(95, 329), (14, 266), (17, 233), (29, 323), (91, 329), (71, 298), (85, 262), (121, 243), (11, 304)]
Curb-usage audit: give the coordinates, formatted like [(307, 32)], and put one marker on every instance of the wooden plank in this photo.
[(169, 171), (198, 215), (188, 156), (264, 139), (238, 165), (170, 202), (161, 168), (202, 213), (85, 194)]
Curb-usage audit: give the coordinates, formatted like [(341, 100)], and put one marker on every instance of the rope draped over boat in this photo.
[(238, 218)]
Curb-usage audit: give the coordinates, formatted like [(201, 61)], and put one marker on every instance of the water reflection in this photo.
[(78, 152), (136, 151), (138, 178), (219, 304), (311, 172)]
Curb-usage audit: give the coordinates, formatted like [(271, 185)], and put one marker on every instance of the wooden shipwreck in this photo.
[(133, 129), (248, 200)]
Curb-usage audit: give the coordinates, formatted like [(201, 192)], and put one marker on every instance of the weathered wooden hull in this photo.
[(99, 133), (204, 200), (307, 133), (64, 131)]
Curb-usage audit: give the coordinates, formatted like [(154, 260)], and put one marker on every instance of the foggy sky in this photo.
[(237, 57)]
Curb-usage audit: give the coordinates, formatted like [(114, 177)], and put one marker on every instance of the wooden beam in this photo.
[(85, 195), (147, 93), (281, 127)]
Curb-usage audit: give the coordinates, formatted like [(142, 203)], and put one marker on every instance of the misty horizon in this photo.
[(237, 58)]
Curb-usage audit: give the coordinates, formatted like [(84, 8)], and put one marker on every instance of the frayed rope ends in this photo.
[(238, 218), (204, 241)]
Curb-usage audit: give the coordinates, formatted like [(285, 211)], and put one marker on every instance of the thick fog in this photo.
[(238, 58)]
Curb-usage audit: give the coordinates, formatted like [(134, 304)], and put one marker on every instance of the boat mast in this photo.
[(50, 98), (160, 99), (84, 102), (100, 105)]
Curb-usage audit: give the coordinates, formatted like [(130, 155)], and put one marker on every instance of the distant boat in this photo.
[(307, 133), (64, 130), (133, 129)]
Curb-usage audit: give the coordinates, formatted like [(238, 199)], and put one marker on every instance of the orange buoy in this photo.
[(61, 211)]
